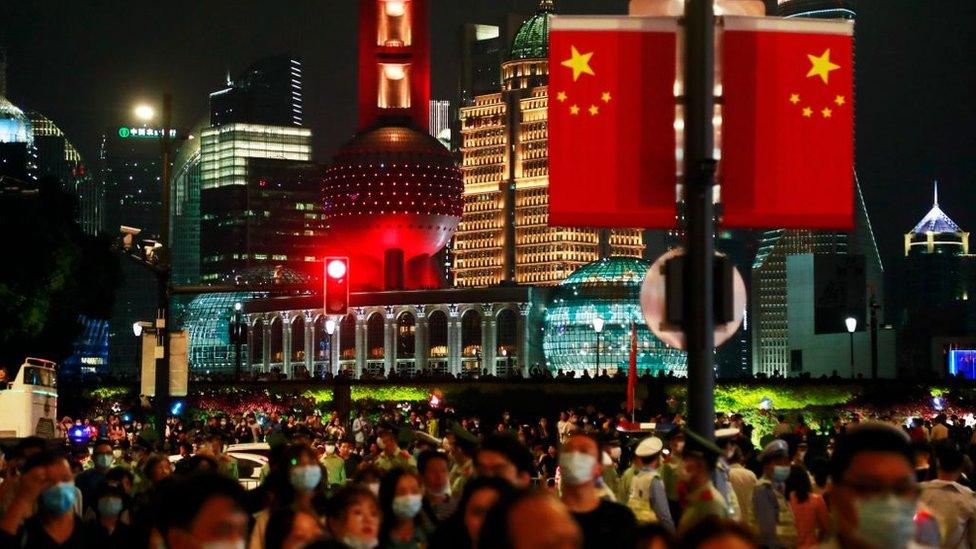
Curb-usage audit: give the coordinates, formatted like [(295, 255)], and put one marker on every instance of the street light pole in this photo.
[(699, 172), (163, 268), (598, 323), (238, 333), (851, 323)]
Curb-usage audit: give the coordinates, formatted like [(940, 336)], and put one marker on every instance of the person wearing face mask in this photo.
[(335, 465), (201, 510), (603, 523), (610, 454), (297, 482), (353, 519), (772, 517), (46, 485), (720, 475), (89, 481), (702, 500), (439, 503), (648, 499), (401, 499), (391, 455), (673, 465), (107, 528)]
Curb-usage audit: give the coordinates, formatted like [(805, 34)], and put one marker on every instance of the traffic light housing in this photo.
[(336, 294)]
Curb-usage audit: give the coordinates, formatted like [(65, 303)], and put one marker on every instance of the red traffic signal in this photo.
[(336, 294)]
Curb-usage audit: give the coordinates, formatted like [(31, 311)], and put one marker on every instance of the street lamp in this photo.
[(598, 328), (237, 336), (144, 112), (851, 328), (330, 328)]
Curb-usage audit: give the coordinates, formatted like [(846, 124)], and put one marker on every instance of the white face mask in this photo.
[(615, 453), (330, 449), (576, 467), (374, 487), (356, 543)]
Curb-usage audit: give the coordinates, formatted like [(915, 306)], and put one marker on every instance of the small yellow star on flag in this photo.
[(561, 96), (807, 112), (579, 62), (826, 112), (821, 66), (574, 109), (795, 98), (594, 110), (605, 97), (839, 100)]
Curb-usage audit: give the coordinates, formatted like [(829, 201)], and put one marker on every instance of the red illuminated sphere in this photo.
[(391, 187)]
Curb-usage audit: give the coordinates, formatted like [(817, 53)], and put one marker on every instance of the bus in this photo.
[(29, 400)]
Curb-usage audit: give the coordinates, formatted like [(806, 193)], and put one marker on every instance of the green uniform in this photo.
[(703, 502), (623, 484), (459, 475), (400, 458), (335, 468)]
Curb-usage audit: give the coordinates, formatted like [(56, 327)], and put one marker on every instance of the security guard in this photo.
[(703, 500), (671, 470), (720, 476), (648, 499), (772, 518)]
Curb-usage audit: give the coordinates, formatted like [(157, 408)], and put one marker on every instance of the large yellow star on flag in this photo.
[(580, 63), (821, 66)]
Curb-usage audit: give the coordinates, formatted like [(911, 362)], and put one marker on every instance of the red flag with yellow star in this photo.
[(611, 121), (787, 123)]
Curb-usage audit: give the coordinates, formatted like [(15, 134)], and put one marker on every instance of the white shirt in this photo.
[(954, 506), (743, 483)]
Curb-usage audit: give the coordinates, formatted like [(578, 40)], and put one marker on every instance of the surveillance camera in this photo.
[(129, 230)]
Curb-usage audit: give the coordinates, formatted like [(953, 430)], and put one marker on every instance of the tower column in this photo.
[(389, 342), (310, 350), (488, 338), (286, 345), (453, 340), (266, 344), (522, 337), (360, 341), (421, 339)]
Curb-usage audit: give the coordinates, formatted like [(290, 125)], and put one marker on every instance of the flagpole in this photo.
[(699, 172)]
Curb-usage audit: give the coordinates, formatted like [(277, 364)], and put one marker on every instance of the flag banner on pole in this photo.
[(611, 121), (632, 371), (787, 123)]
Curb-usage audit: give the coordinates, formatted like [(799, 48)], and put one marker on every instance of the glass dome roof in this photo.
[(207, 322), (15, 127), (532, 39), (272, 274), (609, 289)]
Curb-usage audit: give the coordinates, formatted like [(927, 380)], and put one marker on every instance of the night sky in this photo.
[(84, 64)]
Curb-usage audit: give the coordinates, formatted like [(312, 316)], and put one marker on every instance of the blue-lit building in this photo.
[(609, 290), (90, 349)]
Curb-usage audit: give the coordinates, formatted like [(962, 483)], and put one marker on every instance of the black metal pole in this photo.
[(238, 334), (852, 354), (597, 354), (163, 270), (874, 337), (699, 171)]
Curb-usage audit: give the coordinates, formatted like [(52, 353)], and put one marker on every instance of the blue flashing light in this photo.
[(126, 418), (962, 362), (79, 434), (177, 408)]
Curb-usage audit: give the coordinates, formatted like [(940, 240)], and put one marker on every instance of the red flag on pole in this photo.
[(787, 123), (632, 371), (611, 121)]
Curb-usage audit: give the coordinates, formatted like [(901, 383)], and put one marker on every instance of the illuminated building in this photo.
[(608, 288), (439, 125), (935, 280), (16, 142), (819, 9), (57, 157), (504, 236), (392, 193), (184, 214), (269, 92)]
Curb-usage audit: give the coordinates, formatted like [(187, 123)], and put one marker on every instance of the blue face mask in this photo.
[(887, 521), (407, 507), (305, 477), (780, 473), (103, 461), (109, 507), (60, 498)]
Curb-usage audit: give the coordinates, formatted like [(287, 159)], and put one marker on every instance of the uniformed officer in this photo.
[(648, 499), (671, 469), (392, 455), (771, 517), (720, 476), (703, 499)]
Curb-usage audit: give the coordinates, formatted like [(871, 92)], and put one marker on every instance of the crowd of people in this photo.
[(405, 477)]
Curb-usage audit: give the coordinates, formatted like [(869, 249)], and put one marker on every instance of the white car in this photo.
[(249, 466)]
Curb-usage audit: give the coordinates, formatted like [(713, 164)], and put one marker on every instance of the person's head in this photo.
[(514, 523), (480, 494), (353, 515), (434, 468), (699, 456), (121, 477), (950, 462), (676, 442), (401, 498), (345, 449), (53, 472), (648, 452), (387, 441), (200, 509), (874, 494), (304, 473), (775, 460), (110, 501), (714, 533), (157, 468), (369, 477), (798, 483), (290, 529), (579, 460), (653, 535), (502, 456), (102, 456)]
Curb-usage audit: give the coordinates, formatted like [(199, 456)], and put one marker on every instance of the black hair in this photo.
[(799, 483), (495, 532), (280, 523), (345, 497), (950, 459), (106, 490), (427, 456), (278, 481), (180, 497), (868, 437), (116, 474), (388, 486), (712, 527), (26, 444), (649, 532), (151, 462), (512, 449), (44, 459)]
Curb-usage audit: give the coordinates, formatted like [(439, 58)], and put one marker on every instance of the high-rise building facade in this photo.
[(504, 236), (269, 92), (439, 124)]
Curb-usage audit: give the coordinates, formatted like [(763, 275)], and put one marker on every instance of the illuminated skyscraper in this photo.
[(504, 236), (268, 92)]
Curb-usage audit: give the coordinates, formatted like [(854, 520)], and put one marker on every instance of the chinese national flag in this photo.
[(787, 123), (611, 121)]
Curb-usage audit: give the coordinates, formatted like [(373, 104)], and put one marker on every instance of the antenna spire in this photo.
[(936, 194)]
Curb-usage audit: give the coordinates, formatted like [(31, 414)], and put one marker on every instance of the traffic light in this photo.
[(336, 286)]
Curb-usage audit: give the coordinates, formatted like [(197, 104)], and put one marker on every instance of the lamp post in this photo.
[(237, 334), (598, 328), (851, 328), (330, 328)]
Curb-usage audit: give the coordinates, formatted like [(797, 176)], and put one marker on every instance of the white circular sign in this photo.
[(653, 303)]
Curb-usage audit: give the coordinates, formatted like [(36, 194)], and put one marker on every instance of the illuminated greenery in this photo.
[(359, 393), (736, 398), (109, 392)]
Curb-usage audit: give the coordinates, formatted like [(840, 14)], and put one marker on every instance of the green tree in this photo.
[(50, 273)]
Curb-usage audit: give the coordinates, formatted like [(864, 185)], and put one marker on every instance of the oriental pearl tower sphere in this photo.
[(393, 194)]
